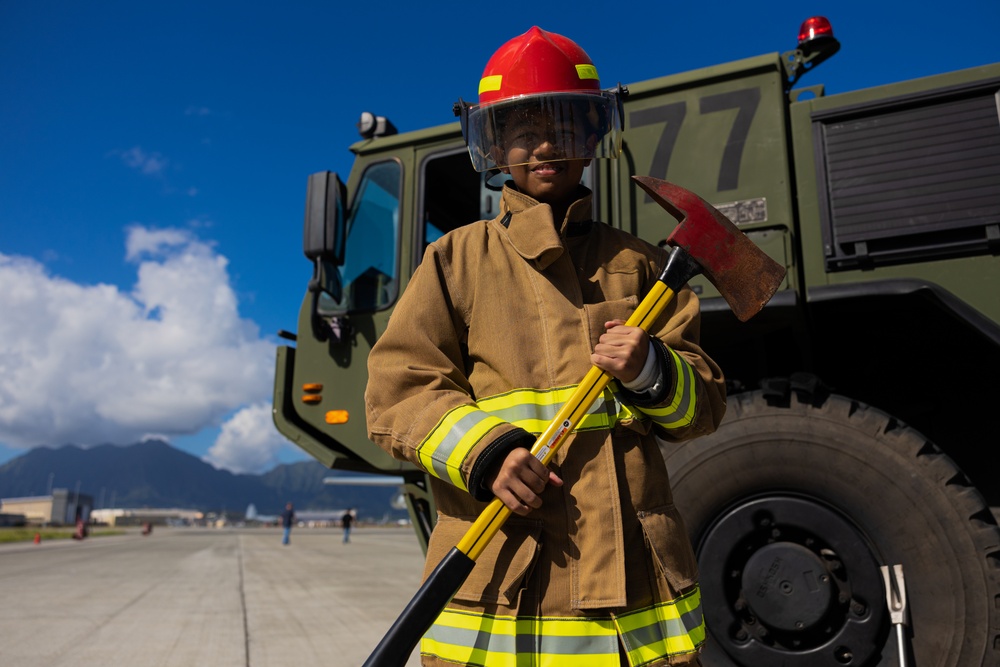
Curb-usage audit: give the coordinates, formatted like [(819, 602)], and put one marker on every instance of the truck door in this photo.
[(720, 132)]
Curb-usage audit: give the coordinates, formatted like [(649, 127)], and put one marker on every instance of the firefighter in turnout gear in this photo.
[(496, 326)]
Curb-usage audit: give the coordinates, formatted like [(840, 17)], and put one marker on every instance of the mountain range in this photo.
[(154, 474)]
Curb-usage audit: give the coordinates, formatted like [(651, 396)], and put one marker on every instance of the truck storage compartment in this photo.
[(910, 178)]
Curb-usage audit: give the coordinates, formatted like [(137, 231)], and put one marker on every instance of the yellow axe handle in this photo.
[(594, 382)]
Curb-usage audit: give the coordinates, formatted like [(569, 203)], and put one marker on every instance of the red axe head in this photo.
[(745, 276)]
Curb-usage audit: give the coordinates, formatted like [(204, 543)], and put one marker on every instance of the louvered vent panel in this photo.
[(911, 182)]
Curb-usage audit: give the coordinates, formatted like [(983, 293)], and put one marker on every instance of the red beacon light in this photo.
[(816, 44), (815, 31)]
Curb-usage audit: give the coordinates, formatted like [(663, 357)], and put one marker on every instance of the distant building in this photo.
[(318, 518), (150, 515), (59, 509)]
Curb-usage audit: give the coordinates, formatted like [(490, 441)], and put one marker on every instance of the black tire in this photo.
[(799, 485)]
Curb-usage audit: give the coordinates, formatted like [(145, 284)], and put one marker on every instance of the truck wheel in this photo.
[(795, 502)]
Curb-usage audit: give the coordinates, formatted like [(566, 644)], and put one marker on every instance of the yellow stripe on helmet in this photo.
[(489, 84)]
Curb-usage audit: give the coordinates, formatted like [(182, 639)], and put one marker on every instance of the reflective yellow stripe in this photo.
[(504, 641), (445, 448), (488, 84), (448, 444), (533, 409), (681, 411), (586, 71), (663, 630)]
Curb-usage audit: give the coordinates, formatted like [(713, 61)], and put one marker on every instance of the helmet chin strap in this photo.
[(491, 174)]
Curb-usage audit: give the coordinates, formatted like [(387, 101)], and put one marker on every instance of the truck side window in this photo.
[(453, 196), (368, 278)]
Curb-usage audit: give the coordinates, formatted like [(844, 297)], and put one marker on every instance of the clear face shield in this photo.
[(543, 128)]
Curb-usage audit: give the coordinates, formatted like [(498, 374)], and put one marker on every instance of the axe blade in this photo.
[(745, 276)]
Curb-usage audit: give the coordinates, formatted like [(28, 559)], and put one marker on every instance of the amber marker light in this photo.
[(336, 417), (312, 395)]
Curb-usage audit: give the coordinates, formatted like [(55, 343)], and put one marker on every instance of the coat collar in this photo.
[(531, 229)]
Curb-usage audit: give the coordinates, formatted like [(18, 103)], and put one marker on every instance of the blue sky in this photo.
[(154, 155)]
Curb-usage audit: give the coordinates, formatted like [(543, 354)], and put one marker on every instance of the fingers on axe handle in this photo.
[(745, 276)]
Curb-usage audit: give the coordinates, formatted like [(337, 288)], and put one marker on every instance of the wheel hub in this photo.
[(788, 581), (786, 587)]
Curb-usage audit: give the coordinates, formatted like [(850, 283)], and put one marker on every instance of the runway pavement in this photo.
[(190, 597)]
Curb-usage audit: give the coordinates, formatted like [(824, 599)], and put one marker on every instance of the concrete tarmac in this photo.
[(187, 597)]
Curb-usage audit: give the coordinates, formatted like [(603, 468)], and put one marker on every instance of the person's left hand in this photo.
[(621, 351), (520, 480)]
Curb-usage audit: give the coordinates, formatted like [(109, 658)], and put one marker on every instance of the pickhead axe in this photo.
[(743, 274), (704, 242)]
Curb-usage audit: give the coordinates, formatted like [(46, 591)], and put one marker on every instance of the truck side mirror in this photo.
[(323, 235)]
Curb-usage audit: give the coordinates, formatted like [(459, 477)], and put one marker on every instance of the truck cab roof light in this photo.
[(370, 125), (816, 44), (813, 32)]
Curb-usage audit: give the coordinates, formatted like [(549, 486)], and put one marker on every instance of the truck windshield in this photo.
[(367, 279)]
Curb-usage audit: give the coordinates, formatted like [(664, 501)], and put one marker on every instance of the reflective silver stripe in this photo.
[(681, 410), (449, 443), (669, 628), (665, 631), (523, 644), (533, 409), (443, 451), (674, 628), (505, 641)]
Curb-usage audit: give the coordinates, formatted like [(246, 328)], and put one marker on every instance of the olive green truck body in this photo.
[(860, 430)]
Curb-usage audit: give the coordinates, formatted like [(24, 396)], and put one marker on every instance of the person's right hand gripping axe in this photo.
[(704, 242)]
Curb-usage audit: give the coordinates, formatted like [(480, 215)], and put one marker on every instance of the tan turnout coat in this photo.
[(495, 327)]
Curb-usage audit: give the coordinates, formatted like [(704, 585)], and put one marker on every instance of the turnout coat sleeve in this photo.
[(419, 402), (691, 401)]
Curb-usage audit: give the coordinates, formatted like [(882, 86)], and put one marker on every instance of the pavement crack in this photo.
[(243, 606)]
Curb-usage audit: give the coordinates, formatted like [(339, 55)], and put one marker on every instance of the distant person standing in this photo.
[(347, 521), (81, 529), (287, 519)]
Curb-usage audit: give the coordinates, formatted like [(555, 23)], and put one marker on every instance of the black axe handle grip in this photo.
[(437, 590)]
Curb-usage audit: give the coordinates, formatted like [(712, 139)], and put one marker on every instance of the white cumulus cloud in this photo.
[(248, 441), (143, 161), (142, 241), (91, 364)]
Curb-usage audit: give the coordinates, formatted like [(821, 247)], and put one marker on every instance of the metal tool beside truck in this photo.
[(860, 427)]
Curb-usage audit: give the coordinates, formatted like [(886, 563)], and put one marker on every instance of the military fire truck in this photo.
[(860, 426)]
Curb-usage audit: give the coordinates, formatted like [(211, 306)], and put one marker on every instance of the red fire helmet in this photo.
[(534, 63), (542, 75)]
